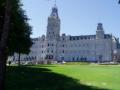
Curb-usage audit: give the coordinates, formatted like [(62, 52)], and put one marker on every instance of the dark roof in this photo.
[(106, 36)]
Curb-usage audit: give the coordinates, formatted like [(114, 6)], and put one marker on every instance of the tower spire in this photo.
[(54, 12), (54, 2)]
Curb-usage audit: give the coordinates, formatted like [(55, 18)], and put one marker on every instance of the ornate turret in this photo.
[(53, 27), (54, 12), (100, 31)]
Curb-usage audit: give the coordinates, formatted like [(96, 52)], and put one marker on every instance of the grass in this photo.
[(63, 77)]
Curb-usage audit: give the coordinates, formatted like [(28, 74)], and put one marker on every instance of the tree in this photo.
[(4, 30), (14, 33), (20, 35)]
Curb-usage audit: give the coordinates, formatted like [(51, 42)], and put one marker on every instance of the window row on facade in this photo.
[(79, 58), (29, 58), (75, 52), (70, 51), (75, 45)]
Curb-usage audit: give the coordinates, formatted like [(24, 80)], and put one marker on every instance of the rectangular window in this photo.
[(52, 51), (52, 44)]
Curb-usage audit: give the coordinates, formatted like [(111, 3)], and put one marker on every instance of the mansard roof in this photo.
[(106, 36), (82, 37)]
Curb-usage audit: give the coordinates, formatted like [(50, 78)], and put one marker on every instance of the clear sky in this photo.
[(78, 17)]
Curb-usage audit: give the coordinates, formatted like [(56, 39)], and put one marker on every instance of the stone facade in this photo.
[(53, 46)]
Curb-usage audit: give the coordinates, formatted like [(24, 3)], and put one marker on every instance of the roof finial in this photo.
[(54, 10), (55, 3)]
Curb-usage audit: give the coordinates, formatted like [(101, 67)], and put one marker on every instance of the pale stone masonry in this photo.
[(99, 47)]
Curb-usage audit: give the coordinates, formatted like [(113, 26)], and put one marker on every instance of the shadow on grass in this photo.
[(40, 65), (28, 78)]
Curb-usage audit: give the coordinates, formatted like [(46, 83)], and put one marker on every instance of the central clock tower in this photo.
[(52, 35)]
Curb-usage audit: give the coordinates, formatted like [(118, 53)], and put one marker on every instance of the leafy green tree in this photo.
[(15, 33), (20, 34)]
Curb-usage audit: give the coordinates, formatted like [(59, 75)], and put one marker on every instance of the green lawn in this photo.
[(64, 77)]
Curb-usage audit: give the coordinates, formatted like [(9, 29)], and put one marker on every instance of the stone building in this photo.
[(53, 46)]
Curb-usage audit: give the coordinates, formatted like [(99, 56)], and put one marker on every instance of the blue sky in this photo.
[(78, 17)]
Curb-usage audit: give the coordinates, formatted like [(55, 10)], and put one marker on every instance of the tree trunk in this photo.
[(19, 59), (3, 71), (3, 44)]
